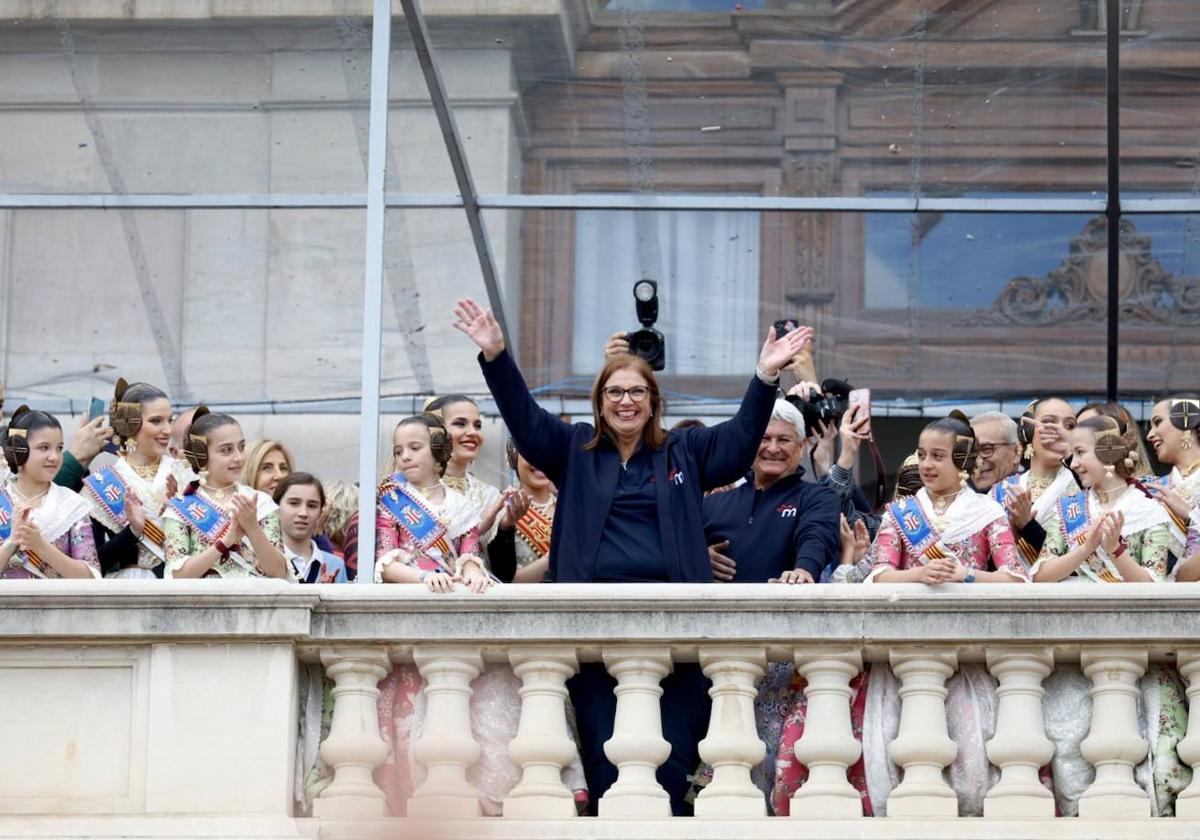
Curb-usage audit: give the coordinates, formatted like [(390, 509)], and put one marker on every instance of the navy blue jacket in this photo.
[(793, 524), (690, 462)]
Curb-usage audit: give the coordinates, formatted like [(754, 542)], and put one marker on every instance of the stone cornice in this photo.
[(588, 615)]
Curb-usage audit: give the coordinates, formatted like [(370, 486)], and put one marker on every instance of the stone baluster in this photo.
[(543, 746), (923, 746), (637, 746), (1187, 805), (732, 745), (1020, 746), (354, 747), (1114, 744), (447, 747), (828, 746)]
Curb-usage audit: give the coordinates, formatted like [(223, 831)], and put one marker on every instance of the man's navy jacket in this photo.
[(793, 524)]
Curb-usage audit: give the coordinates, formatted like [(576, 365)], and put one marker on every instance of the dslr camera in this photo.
[(826, 407), (647, 343)]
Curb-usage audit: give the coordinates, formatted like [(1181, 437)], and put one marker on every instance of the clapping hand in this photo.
[(479, 325), (1019, 504), (515, 503), (135, 511)]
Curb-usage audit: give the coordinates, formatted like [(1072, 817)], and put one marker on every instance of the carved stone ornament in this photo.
[(1077, 289)]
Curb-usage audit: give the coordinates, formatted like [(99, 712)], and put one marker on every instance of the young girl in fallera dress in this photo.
[(217, 527), (45, 530), (1112, 532), (428, 533)]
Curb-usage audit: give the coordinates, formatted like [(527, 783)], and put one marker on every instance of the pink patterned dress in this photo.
[(64, 520)]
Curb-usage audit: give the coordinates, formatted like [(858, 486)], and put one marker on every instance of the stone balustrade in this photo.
[(154, 709)]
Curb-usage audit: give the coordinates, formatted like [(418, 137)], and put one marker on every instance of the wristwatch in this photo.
[(970, 578)]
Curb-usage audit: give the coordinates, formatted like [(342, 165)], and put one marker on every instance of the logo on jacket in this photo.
[(675, 477), (786, 511)]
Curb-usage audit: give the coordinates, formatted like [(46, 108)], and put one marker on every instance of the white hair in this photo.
[(1007, 424), (788, 413)]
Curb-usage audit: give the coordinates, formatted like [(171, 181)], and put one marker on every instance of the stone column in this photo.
[(1020, 746), (1187, 805), (354, 747), (447, 747), (923, 747), (1114, 744), (828, 746), (637, 746), (732, 745), (543, 745)]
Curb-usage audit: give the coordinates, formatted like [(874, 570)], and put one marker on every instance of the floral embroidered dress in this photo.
[(495, 698), (194, 521), (1188, 486), (975, 531), (106, 491), (480, 494), (1163, 707), (62, 517)]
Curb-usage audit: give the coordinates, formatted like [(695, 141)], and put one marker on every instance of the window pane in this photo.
[(777, 97), (706, 266), (1017, 310)]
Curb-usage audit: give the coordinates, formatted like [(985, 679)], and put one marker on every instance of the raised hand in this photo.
[(777, 351), (478, 324), (618, 345), (90, 437)]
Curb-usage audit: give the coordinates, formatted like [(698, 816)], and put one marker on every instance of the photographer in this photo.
[(778, 529), (845, 435)]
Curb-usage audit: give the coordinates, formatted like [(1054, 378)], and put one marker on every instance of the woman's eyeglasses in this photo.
[(637, 393)]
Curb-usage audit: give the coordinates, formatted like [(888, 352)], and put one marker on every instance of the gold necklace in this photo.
[(1106, 496), (455, 482), (1039, 483), (942, 503), (220, 493), (146, 472), (1188, 472)]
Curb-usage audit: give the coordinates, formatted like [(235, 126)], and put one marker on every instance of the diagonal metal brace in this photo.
[(458, 159)]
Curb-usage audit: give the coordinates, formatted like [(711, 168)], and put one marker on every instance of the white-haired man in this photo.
[(999, 449), (776, 527), (999, 459)]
